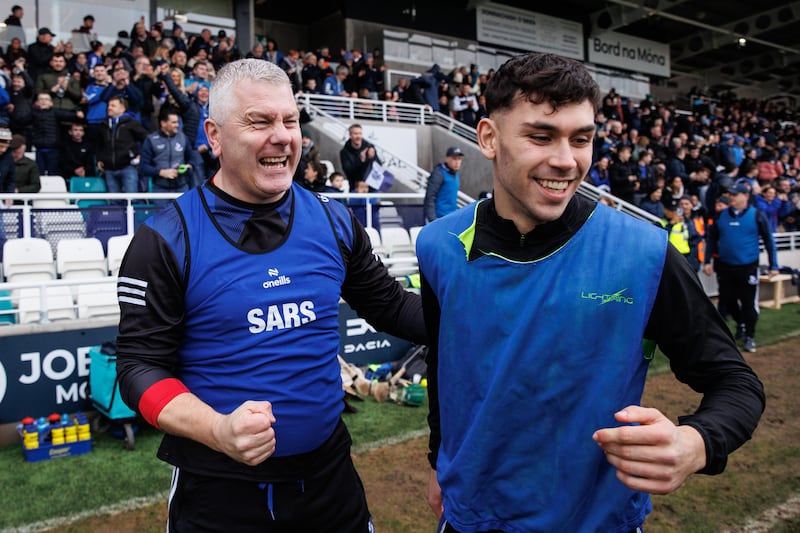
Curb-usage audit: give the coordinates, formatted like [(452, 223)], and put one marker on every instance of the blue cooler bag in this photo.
[(103, 383)]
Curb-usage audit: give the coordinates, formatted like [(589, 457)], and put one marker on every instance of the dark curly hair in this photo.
[(541, 78)]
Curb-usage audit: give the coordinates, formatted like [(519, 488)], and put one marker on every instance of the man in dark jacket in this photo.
[(40, 52), (623, 175), (76, 156), (64, 89), (357, 156), (119, 145), (166, 156)]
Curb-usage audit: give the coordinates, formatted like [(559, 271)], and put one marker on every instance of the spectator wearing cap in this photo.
[(8, 182), (26, 171), (441, 193), (733, 243), (41, 51)]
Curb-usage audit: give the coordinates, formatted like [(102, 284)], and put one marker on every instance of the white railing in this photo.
[(335, 108)]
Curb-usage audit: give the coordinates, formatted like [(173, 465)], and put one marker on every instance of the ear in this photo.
[(487, 137), (213, 134)]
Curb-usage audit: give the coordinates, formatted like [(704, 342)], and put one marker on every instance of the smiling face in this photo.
[(539, 158), (258, 142)]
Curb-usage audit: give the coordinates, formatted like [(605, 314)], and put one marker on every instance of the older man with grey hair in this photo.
[(228, 336)]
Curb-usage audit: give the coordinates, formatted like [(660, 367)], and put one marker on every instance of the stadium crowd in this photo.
[(649, 153)]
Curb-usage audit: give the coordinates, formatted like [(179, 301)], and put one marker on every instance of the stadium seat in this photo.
[(98, 300), (396, 241), (375, 240), (117, 246), (104, 222), (88, 185), (6, 309), (81, 259), (57, 302), (52, 184), (56, 224), (28, 259), (413, 232)]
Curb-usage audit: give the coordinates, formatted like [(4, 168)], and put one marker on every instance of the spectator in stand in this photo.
[(725, 153), (26, 171), (95, 103), (75, 155), (773, 207), (645, 171), (119, 146), (623, 175), (272, 54), (15, 18), (8, 182), (465, 106), (256, 52), (313, 176), (673, 192), (88, 25), (20, 107), (733, 244), (599, 176), (64, 90), (369, 77), (79, 69), (334, 85), (308, 152), (46, 132), (166, 158), (768, 166), (292, 65), (122, 87), (179, 60), (190, 109), (204, 162), (444, 182), (205, 42), (144, 78), (357, 156), (178, 38), (652, 203), (311, 70), (40, 52), (97, 55), (359, 206), (336, 180), (198, 76), (15, 51)]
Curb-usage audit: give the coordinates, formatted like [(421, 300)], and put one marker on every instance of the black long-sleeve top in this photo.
[(683, 323)]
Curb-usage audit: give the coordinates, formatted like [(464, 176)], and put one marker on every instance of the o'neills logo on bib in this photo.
[(278, 279)]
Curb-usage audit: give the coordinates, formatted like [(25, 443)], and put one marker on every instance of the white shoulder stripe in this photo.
[(132, 281), (128, 290), (134, 301)]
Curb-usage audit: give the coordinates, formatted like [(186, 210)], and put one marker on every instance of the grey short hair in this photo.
[(220, 100)]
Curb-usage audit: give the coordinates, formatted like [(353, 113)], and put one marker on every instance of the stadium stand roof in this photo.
[(703, 35)]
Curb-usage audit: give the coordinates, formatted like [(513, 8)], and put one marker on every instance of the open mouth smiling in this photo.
[(273, 162)]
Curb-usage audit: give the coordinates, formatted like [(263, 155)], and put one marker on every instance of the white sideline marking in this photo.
[(771, 517), (397, 439), (116, 508)]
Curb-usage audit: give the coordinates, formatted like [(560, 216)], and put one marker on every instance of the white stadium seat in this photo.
[(28, 259), (57, 301), (117, 245)]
